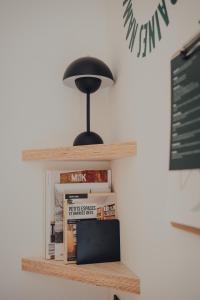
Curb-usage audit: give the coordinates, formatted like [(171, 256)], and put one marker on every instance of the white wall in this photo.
[(166, 259), (38, 40)]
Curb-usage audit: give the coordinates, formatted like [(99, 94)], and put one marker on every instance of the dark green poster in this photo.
[(185, 108)]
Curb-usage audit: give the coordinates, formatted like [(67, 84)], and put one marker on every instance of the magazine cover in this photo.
[(86, 176), (50, 215), (60, 190), (84, 207), (64, 176)]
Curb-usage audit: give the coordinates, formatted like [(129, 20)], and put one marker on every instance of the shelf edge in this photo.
[(101, 152), (187, 228), (92, 274)]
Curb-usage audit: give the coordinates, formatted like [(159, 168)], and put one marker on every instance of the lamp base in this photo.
[(87, 138)]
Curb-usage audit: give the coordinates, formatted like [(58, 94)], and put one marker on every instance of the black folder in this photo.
[(98, 241)]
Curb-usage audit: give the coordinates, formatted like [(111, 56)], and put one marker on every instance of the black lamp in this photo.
[(88, 74)]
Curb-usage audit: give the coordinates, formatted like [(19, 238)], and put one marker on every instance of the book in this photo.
[(52, 229), (98, 241), (81, 207)]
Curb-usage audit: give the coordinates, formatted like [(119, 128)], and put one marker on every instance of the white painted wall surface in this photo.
[(166, 259), (38, 41)]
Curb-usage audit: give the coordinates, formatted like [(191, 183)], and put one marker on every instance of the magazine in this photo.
[(77, 207), (64, 176), (60, 190), (86, 176)]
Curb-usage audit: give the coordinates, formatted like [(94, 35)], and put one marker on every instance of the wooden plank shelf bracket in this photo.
[(113, 275), (187, 228), (88, 152)]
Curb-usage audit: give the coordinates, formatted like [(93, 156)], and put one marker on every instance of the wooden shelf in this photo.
[(187, 228), (89, 152), (114, 275)]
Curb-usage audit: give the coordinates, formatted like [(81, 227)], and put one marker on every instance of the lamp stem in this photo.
[(88, 112)]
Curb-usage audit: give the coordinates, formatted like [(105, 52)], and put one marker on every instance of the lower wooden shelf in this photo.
[(114, 275)]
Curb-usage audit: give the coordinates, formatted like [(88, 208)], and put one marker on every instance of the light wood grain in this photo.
[(114, 275), (89, 152), (187, 228)]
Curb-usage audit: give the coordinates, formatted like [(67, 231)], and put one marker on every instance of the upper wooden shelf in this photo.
[(114, 275), (89, 152)]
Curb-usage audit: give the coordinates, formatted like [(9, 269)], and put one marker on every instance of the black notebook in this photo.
[(98, 241)]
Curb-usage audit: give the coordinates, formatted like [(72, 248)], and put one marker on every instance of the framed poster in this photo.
[(185, 137), (185, 107)]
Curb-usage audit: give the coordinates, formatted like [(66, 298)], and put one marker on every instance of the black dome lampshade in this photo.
[(88, 74)]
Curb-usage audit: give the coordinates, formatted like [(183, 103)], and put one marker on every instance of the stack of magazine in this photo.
[(73, 196)]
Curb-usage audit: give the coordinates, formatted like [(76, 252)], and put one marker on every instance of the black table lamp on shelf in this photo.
[(88, 74)]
